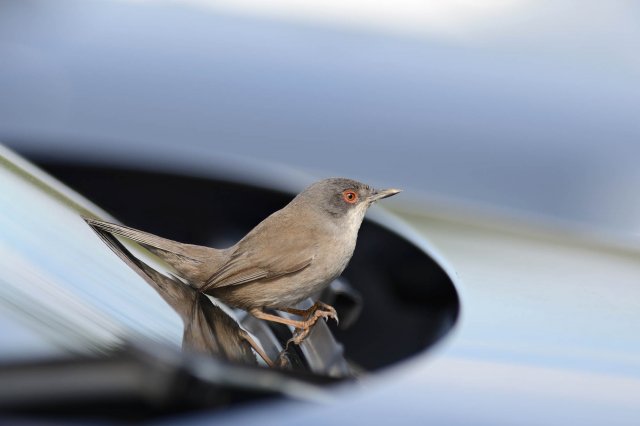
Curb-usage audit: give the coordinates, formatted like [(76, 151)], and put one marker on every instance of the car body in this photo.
[(500, 146)]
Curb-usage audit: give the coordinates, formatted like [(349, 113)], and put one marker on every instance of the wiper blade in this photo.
[(137, 382)]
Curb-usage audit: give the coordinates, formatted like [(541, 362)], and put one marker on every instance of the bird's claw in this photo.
[(326, 311), (322, 311)]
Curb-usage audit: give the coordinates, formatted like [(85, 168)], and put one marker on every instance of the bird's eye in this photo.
[(350, 196)]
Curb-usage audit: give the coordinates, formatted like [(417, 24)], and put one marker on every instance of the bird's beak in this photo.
[(382, 193)]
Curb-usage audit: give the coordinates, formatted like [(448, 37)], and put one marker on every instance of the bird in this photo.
[(291, 255)]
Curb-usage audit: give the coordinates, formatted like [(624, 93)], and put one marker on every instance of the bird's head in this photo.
[(344, 198)]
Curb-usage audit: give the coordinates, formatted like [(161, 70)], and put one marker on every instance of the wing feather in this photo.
[(271, 250)]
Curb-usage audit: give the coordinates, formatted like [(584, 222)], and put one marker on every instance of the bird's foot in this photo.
[(321, 309), (317, 310)]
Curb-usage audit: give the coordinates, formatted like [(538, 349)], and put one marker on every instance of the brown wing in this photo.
[(276, 247)]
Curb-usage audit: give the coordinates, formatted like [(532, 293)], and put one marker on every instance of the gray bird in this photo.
[(291, 255)]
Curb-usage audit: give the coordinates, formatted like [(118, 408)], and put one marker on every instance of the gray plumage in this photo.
[(289, 256)]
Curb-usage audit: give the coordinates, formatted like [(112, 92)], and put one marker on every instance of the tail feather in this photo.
[(192, 262)]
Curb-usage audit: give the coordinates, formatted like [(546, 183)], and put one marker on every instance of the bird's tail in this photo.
[(192, 262)]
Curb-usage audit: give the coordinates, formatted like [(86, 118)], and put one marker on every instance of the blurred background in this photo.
[(527, 107)]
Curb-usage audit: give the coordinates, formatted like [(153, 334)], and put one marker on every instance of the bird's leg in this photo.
[(302, 328), (258, 313), (299, 312)]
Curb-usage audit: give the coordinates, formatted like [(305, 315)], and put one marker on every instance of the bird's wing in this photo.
[(242, 270), (273, 249)]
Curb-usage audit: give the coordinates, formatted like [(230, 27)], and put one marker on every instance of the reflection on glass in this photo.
[(207, 328), (58, 281)]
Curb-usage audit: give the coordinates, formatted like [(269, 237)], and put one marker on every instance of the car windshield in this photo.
[(61, 288), (69, 286)]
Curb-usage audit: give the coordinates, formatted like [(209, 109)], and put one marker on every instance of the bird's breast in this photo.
[(335, 253)]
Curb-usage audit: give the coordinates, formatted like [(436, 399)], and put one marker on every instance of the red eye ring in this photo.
[(350, 196)]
